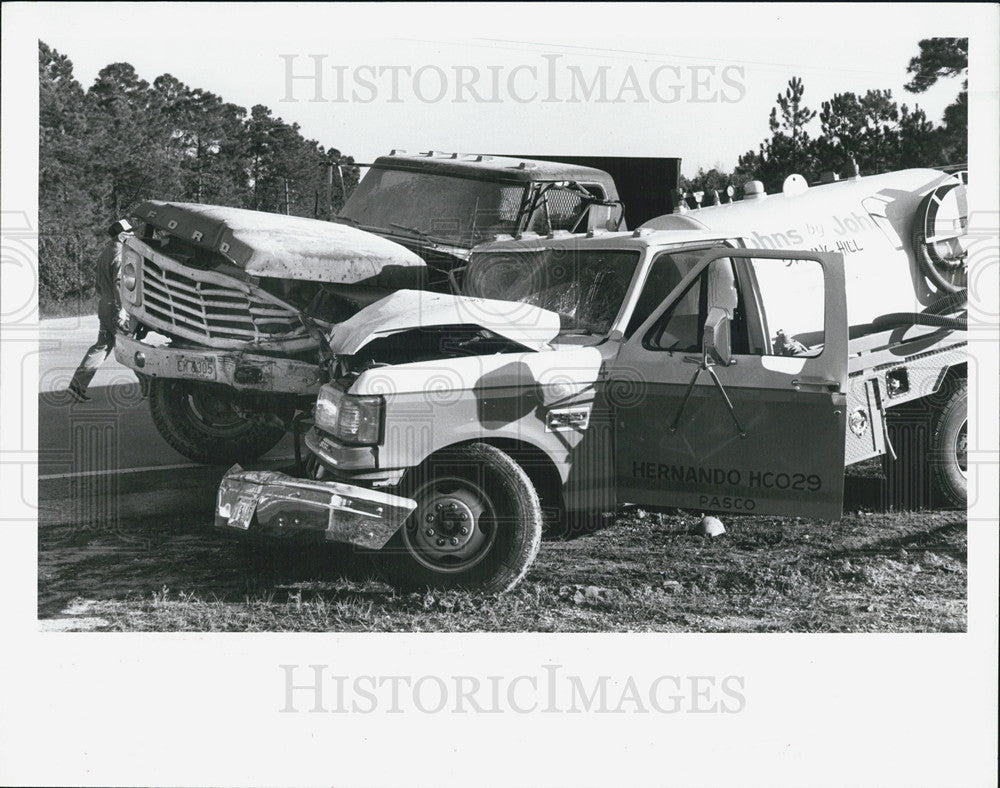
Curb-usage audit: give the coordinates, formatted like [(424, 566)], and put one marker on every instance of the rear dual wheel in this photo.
[(949, 447), (930, 437)]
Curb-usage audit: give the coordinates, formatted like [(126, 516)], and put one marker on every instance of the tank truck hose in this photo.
[(952, 302), (896, 319)]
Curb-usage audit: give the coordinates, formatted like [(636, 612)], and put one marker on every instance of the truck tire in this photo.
[(949, 445), (204, 424), (929, 438), (477, 525)]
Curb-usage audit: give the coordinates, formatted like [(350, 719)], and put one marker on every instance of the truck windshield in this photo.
[(586, 288), (445, 208)]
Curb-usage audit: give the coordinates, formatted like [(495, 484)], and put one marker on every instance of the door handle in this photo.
[(815, 384)]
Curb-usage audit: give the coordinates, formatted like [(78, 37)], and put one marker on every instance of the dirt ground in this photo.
[(875, 571)]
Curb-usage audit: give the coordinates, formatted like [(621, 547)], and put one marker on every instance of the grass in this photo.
[(872, 572)]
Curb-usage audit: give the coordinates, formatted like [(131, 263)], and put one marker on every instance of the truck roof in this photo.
[(473, 165), (905, 188), (635, 239)]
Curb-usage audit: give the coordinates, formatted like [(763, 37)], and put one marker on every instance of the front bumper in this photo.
[(284, 505), (238, 369)]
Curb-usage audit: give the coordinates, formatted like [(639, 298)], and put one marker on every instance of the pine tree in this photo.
[(943, 58), (103, 150), (68, 236), (789, 149)]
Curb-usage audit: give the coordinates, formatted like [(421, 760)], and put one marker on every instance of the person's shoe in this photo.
[(77, 394)]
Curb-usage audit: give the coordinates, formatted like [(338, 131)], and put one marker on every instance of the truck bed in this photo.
[(887, 369)]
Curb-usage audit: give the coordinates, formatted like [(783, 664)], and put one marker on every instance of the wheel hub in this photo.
[(215, 410), (447, 523), (448, 530), (962, 448)]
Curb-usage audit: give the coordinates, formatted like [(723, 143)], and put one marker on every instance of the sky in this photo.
[(697, 82)]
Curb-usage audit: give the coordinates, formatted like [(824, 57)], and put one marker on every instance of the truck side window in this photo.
[(783, 303), (681, 326), (566, 208), (510, 203), (663, 277)]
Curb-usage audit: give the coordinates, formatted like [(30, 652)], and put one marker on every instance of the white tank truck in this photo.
[(729, 358)]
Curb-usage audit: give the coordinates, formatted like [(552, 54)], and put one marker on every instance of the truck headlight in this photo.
[(131, 260), (349, 418)]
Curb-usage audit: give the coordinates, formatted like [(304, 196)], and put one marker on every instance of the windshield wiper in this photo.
[(355, 223), (420, 233), (376, 229)]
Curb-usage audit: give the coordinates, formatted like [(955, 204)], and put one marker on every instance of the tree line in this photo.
[(870, 131), (105, 149)]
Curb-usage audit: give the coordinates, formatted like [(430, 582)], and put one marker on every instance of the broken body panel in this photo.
[(277, 246), (524, 324)]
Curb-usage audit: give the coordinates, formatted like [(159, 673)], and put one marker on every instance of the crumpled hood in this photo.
[(564, 372), (284, 247), (530, 326)]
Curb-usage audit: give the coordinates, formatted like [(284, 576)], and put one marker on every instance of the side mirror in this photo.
[(716, 337), (617, 218), (722, 301), (598, 216)]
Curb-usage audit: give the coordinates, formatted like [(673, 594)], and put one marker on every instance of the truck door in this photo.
[(736, 388)]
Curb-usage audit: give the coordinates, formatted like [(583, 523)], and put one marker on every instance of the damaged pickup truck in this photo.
[(675, 366), (240, 303)]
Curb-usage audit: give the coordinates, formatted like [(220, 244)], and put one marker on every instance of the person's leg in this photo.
[(91, 362)]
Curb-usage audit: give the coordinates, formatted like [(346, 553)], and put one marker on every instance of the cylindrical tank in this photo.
[(900, 233)]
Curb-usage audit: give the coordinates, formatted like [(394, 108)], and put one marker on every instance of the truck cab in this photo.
[(579, 373), (441, 205)]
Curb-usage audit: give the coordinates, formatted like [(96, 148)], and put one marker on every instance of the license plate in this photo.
[(203, 368), (242, 512)]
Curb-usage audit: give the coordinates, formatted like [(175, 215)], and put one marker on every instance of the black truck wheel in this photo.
[(477, 525), (206, 424), (929, 436), (949, 447)]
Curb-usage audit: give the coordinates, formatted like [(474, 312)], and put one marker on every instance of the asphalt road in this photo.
[(111, 434), (111, 491)]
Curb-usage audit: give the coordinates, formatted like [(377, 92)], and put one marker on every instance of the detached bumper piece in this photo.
[(279, 504)]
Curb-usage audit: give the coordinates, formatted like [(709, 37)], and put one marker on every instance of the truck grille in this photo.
[(213, 313)]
